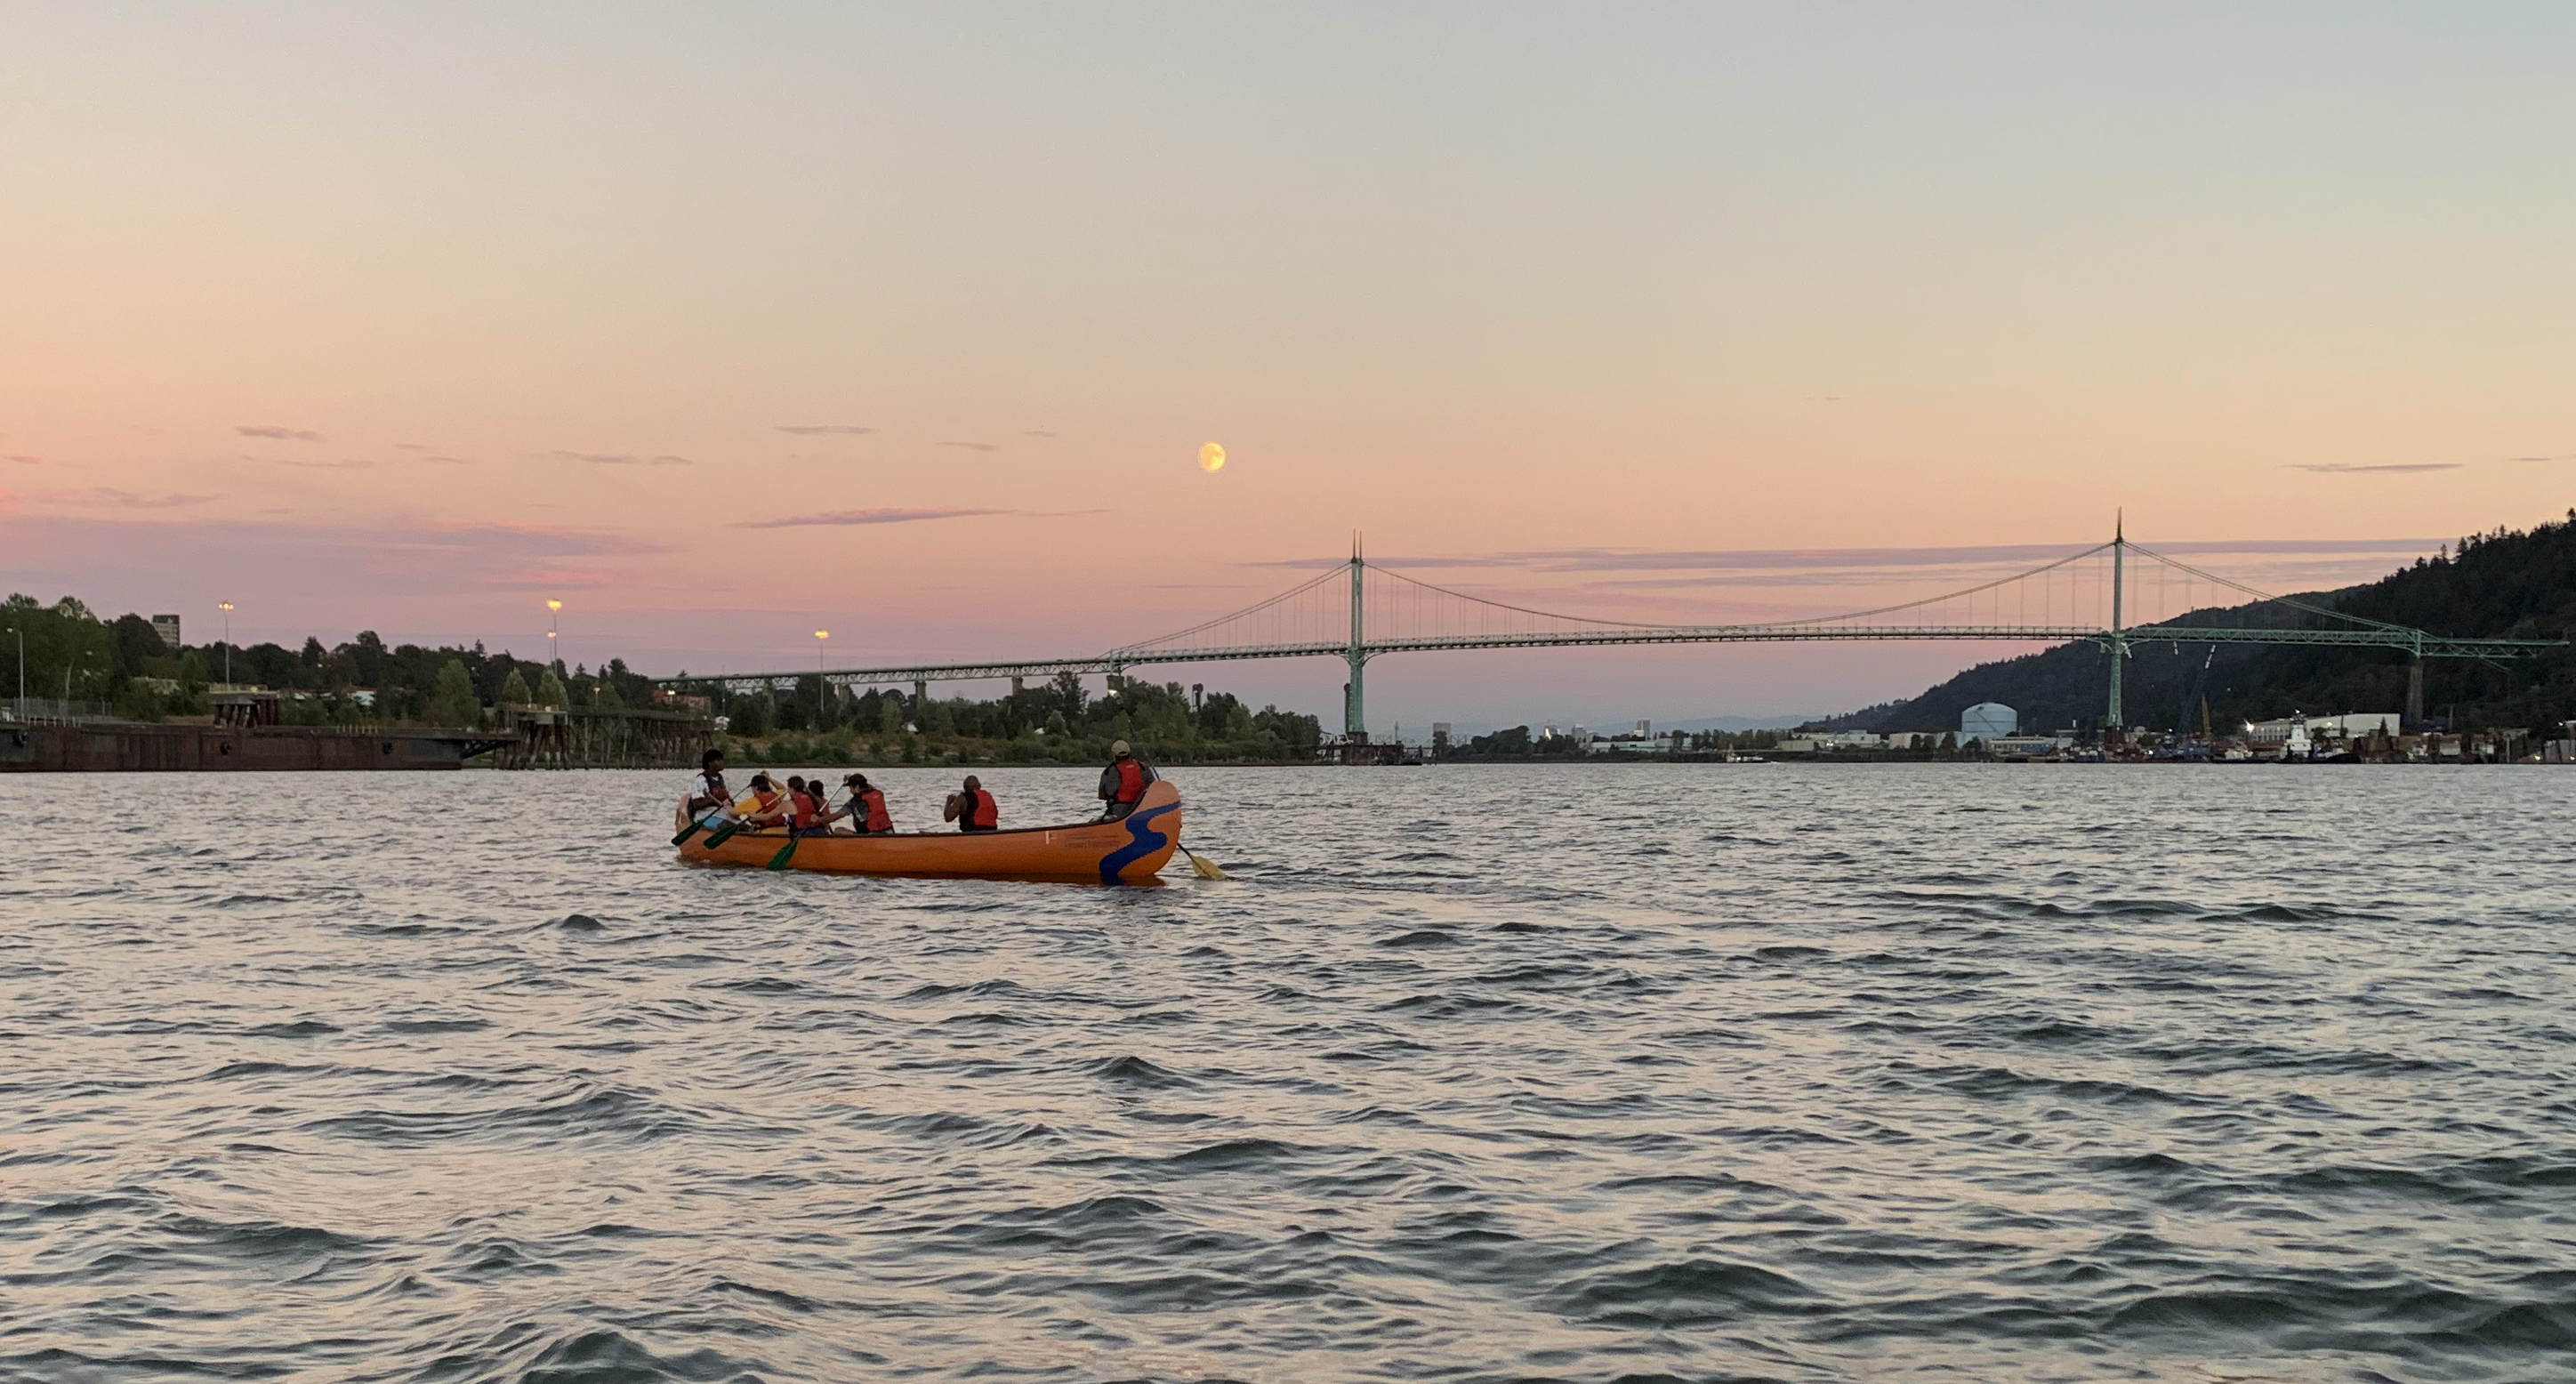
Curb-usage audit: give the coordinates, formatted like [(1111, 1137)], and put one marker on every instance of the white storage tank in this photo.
[(1987, 721)]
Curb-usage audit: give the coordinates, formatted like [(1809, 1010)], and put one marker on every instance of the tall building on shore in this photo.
[(167, 626)]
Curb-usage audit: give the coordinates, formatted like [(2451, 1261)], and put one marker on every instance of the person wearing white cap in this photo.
[(1122, 784)]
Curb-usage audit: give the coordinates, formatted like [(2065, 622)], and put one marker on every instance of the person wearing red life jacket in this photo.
[(974, 808), (813, 807), (867, 809), (1122, 784)]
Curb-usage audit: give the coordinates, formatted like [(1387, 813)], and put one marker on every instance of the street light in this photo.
[(227, 608), (22, 669), (554, 651), (819, 637)]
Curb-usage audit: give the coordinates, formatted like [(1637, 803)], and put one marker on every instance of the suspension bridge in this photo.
[(2114, 595)]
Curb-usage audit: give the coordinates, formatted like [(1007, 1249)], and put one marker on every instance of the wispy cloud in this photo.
[(2563, 456), (24, 460), (449, 461), (1847, 559), (348, 464), (107, 497), (825, 429), (411, 446), (387, 559), (272, 431), (2339, 468), (1039, 432), (621, 459), (852, 517), (973, 446)]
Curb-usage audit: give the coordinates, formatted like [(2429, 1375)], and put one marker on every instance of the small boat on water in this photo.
[(1130, 850)]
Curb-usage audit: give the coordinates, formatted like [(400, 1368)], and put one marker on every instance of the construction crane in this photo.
[(2181, 747)]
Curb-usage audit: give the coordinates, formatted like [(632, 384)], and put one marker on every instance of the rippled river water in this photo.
[(1780, 1072)]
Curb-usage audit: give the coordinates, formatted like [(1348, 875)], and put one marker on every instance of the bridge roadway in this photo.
[(1118, 661)]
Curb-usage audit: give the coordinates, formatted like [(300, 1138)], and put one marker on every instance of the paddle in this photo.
[(1204, 869), (699, 825), (725, 833), (788, 851)]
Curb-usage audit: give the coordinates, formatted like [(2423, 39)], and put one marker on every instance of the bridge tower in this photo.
[(2115, 721), (1354, 718)]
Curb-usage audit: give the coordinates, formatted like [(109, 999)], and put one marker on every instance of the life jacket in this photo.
[(981, 810), (763, 803), (873, 814), (806, 810), (1132, 779), (712, 788)]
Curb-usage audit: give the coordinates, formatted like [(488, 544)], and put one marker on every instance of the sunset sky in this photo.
[(723, 323)]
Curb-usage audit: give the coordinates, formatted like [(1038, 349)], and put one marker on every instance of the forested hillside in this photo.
[(2505, 584)]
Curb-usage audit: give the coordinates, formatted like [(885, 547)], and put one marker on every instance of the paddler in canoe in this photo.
[(1125, 850)]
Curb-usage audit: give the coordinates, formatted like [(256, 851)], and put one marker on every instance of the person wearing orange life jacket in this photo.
[(867, 809), (1122, 784), (973, 809), (768, 805)]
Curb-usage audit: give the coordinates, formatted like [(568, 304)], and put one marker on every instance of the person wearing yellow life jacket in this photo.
[(1122, 784), (867, 809), (973, 809)]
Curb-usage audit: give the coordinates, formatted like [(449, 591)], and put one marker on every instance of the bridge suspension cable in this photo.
[(2113, 594)]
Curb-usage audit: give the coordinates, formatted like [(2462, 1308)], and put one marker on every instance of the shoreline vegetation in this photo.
[(1057, 722), (124, 668)]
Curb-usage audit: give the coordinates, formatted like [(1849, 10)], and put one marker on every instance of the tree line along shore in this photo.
[(123, 668)]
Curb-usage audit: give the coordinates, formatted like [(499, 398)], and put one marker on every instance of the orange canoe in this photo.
[(1127, 851)]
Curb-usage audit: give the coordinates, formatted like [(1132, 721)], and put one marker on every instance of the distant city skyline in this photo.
[(724, 327)]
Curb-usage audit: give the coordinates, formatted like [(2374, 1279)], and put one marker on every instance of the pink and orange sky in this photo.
[(412, 317)]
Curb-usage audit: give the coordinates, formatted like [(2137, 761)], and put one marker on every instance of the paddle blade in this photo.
[(721, 834), (1205, 868), (779, 861), (686, 832)]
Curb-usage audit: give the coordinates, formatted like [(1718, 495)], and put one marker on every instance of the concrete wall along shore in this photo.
[(580, 739), (129, 746)]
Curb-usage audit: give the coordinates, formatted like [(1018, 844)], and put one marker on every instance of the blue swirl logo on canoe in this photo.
[(1142, 840)]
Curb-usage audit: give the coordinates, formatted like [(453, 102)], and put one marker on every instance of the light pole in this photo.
[(819, 688), (227, 608), (554, 651), (22, 669)]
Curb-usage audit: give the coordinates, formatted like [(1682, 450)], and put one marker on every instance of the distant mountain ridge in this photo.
[(2500, 585)]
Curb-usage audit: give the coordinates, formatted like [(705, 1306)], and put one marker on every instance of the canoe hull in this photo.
[(1130, 850)]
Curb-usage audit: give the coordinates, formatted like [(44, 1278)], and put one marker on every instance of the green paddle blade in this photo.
[(722, 834), (779, 861), (686, 832)]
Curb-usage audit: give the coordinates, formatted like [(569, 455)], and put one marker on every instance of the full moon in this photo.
[(1211, 456)]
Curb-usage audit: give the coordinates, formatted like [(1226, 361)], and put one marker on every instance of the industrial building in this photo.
[(1987, 721)]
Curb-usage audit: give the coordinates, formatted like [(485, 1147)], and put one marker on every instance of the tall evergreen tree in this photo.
[(451, 702)]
